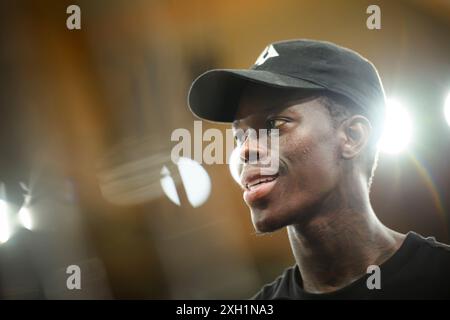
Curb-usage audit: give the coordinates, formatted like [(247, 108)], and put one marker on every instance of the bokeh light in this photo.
[(447, 109), (5, 228), (234, 163), (398, 128), (195, 180), (25, 218)]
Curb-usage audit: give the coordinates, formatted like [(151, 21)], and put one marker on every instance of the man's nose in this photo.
[(252, 149)]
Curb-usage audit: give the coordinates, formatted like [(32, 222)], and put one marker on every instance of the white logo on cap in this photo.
[(269, 52)]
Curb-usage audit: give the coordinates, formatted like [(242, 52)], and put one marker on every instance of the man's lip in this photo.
[(256, 180), (254, 176), (260, 190)]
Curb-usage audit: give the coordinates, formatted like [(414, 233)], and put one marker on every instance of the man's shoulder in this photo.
[(280, 288), (436, 248), (441, 247), (430, 263), (435, 251)]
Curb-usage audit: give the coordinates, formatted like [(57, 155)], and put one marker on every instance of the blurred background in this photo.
[(86, 118)]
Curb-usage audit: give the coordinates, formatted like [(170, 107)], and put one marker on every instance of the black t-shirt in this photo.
[(420, 269)]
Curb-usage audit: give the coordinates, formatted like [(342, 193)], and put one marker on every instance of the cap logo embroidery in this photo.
[(269, 52)]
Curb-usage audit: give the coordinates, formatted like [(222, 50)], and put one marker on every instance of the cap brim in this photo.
[(214, 95)]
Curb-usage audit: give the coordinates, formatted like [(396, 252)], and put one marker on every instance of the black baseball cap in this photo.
[(303, 64)]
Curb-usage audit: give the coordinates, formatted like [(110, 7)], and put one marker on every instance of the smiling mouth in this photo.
[(259, 188), (254, 184)]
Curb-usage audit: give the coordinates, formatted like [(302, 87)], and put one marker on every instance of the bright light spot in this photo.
[(25, 218), (447, 109), (5, 230), (234, 163), (398, 128), (168, 186), (195, 180)]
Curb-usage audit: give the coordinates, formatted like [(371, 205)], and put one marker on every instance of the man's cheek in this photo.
[(298, 151)]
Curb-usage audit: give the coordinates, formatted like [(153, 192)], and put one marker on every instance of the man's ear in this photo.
[(356, 131)]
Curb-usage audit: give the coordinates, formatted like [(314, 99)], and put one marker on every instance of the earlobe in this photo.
[(356, 131)]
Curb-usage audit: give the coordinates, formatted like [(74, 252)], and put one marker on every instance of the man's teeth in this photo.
[(250, 185)]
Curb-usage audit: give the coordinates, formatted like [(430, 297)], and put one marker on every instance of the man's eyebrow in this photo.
[(276, 107), (284, 105), (280, 109)]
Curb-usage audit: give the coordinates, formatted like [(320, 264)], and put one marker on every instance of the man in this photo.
[(327, 105)]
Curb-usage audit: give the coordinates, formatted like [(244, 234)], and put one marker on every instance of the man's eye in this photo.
[(275, 123)]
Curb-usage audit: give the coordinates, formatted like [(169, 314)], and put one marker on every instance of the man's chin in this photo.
[(265, 221)]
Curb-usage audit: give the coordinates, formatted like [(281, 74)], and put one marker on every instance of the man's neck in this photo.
[(334, 247)]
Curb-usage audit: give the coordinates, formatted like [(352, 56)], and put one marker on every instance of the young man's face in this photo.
[(308, 155)]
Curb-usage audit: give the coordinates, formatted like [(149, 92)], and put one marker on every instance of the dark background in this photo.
[(86, 117)]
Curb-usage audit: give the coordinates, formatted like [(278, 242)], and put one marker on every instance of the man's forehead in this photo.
[(255, 107)]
